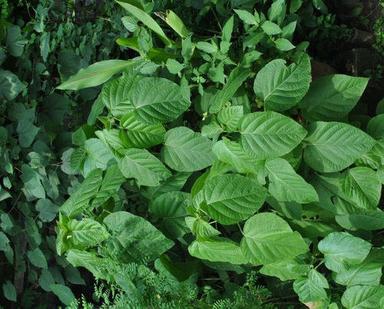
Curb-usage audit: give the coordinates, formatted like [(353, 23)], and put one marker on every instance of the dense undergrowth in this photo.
[(204, 154)]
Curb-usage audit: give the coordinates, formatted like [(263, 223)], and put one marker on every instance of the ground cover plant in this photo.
[(215, 167)]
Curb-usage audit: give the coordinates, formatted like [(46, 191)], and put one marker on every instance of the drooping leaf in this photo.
[(333, 146), (269, 239), (186, 151), (269, 134), (95, 74), (287, 270), (232, 198), (37, 258), (9, 291), (64, 293), (282, 87)]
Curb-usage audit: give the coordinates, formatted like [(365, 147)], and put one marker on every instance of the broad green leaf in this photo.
[(86, 233), (10, 85), (146, 19), (46, 280), (277, 11), (362, 187), (174, 183), (287, 186), (332, 97), (143, 166), (64, 293), (366, 273), (363, 297), (366, 221), (113, 138), (170, 209), (186, 151), (269, 134), (142, 134), (217, 250), (155, 99), (9, 291), (37, 258), (98, 155), (174, 66), (281, 87), (233, 154), (269, 239), (138, 239), (96, 74), (115, 94), (80, 199), (112, 181), (287, 270), (201, 229), (232, 198), (312, 288), (236, 78), (340, 249), (333, 146), (230, 117), (15, 42), (33, 188), (375, 127)]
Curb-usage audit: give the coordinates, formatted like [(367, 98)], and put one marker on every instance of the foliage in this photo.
[(213, 151)]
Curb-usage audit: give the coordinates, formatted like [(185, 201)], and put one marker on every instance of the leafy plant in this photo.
[(218, 154)]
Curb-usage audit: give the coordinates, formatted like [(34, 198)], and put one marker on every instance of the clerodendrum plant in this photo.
[(233, 162)]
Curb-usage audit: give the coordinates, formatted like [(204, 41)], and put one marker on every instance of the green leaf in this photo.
[(10, 85), (116, 93), (37, 258), (80, 199), (32, 182), (9, 291), (233, 154), (232, 198), (333, 146), (332, 97), (176, 24), (247, 17), (186, 151), (269, 239), (277, 11), (270, 28), (143, 166), (287, 270), (287, 186), (366, 221), (201, 229), (15, 42), (47, 210), (363, 297), (236, 78), (284, 44), (174, 66), (230, 117), (64, 293), (312, 288), (86, 233), (170, 209), (146, 19), (362, 187), (217, 250), (207, 47), (96, 74), (375, 127), (281, 87), (150, 98), (340, 249), (269, 134), (98, 155), (138, 239), (142, 134)]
